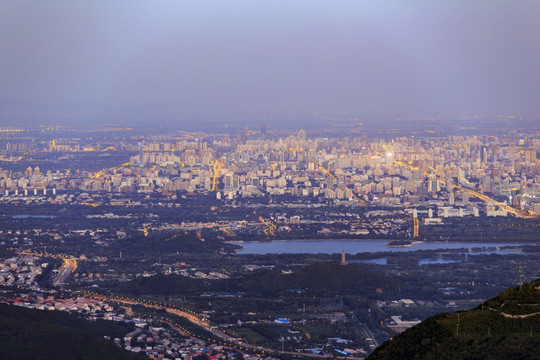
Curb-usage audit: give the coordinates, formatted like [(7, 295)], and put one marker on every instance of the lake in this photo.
[(33, 216), (439, 260), (352, 246)]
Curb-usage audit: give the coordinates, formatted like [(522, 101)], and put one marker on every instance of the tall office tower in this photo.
[(434, 185), (483, 154), (487, 183), (530, 155), (236, 181), (244, 134), (449, 184), (389, 159), (228, 180), (512, 155), (141, 153)]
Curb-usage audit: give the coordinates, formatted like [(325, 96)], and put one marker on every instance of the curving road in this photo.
[(198, 320), (67, 268)]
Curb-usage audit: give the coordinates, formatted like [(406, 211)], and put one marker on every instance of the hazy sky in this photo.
[(362, 56)]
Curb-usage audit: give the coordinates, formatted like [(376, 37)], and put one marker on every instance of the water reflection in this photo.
[(360, 246)]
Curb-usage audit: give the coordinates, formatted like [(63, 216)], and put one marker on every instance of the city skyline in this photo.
[(195, 238), (269, 180)]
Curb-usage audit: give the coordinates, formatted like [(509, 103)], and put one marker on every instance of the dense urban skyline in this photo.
[(269, 180), (236, 238)]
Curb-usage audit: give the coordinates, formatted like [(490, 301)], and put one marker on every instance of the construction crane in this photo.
[(409, 164), (216, 169), (97, 175), (327, 172), (101, 172), (269, 227), (323, 169), (181, 163), (227, 231)]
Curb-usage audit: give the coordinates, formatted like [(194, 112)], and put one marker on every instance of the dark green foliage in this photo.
[(481, 333), (323, 278), (164, 242), (35, 334), (515, 301), (414, 343), (167, 285)]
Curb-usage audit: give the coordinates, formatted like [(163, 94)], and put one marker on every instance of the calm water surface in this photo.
[(439, 260), (352, 247), (33, 216)]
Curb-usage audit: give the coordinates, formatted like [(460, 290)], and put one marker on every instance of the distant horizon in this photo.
[(32, 114), (380, 59)]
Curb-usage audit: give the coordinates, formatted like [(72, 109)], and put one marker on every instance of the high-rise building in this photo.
[(228, 180), (483, 154), (530, 155), (141, 153), (512, 155)]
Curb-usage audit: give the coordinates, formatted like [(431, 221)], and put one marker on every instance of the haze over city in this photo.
[(269, 180), (96, 61)]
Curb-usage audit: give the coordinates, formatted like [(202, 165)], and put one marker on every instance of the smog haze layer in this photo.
[(96, 62)]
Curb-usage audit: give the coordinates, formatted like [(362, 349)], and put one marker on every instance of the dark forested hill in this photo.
[(321, 278), (36, 334), (505, 327)]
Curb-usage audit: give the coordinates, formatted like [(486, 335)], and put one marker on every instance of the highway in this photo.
[(375, 342), (199, 321), (476, 194), (67, 268)]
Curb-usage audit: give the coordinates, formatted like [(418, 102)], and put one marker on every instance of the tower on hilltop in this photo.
[(343, 261)]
